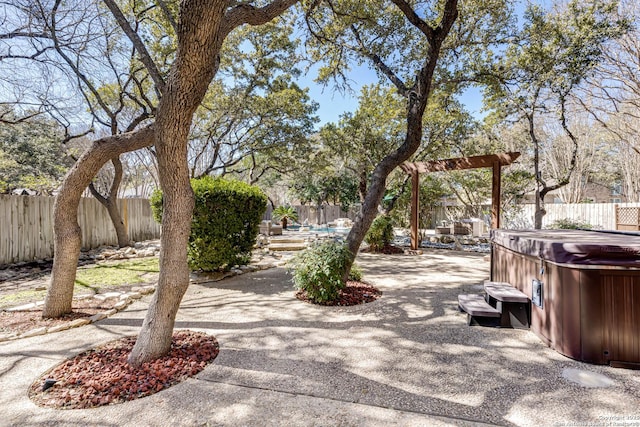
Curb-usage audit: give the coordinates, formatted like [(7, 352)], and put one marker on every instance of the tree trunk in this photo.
[(417, 98), (202, 28), (116, 219), (195, 65), (540, 211), (111, 204), (377, 187), (67, 233), (362, 185)]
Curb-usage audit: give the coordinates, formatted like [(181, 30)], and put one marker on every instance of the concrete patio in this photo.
[(408, 359)]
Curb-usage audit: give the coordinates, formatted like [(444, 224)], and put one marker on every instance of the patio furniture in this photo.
[(268, 229), (460, 228), (443, 230)]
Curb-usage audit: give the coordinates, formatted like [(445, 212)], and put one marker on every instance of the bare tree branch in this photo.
[(145, 57), (167, 14)]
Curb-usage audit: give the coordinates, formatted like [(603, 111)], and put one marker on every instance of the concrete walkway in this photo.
[(408, 359)]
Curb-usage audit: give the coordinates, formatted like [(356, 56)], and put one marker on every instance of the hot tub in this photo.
[(584, 287)]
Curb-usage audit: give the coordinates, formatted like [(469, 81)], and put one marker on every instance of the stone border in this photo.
[(124, 299)]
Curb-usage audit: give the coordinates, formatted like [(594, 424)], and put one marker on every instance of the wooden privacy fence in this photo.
[(597, 214), (26, 225), (607, 216)]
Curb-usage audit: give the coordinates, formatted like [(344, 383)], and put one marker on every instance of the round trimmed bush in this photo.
[(225, 224)]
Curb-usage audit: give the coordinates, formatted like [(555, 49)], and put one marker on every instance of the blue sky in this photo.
[(333, 103)]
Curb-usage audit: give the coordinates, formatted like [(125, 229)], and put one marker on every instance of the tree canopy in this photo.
[(32, 154)]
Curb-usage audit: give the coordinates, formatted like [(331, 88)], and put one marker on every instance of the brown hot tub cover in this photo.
[(573, 246)]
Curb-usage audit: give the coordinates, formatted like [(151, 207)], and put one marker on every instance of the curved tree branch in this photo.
[(248, 14), (67, 233), (380, 64), (167, 13), (415, 20)]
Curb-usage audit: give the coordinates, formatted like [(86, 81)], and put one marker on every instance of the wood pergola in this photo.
[(495, 161)]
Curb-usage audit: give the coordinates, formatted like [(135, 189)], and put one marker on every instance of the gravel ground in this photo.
[(406, 359)]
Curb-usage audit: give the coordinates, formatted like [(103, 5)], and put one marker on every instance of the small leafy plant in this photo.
[(284, 214), (570, 224), (318, 270), (380, 233)]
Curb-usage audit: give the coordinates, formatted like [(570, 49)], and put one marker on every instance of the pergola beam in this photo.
[(494, 161), (461, 163)]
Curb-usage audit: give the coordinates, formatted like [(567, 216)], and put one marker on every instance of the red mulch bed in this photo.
[(391, 250), (387, 250), (353, 294), (102, 376)]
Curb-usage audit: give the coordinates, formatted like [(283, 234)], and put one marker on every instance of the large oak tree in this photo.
[(405, 42), (542, 70), (201, 27)]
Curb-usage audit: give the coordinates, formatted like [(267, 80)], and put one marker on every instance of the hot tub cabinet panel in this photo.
[(589, 311)]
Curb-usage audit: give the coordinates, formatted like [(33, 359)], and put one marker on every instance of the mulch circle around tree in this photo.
[(353, 294), (391, 250), (102, 376), (387, 250)]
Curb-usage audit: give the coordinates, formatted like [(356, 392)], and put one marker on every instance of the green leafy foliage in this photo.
[(32, 156), (284, 214), (380, 233), (326, 187), (255, 118), (570, 224), (355, 273), (542, 69), (156, 204), (432, 190), (225, 222), (318, 270)]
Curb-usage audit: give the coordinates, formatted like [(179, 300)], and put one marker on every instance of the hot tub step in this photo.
[(503, 291), (514, 306), (479, 312)]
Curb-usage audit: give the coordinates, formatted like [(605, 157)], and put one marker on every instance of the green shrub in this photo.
[(156, 204), (380, 233), (355, 273), (225, 224), (569, 224), (318, 270)]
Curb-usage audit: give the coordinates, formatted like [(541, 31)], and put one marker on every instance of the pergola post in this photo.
[(415, 200), (495, 195)]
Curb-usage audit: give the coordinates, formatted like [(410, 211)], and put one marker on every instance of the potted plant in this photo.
[(284, 214)]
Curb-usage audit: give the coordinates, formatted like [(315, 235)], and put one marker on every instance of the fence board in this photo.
[(26, 226)]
